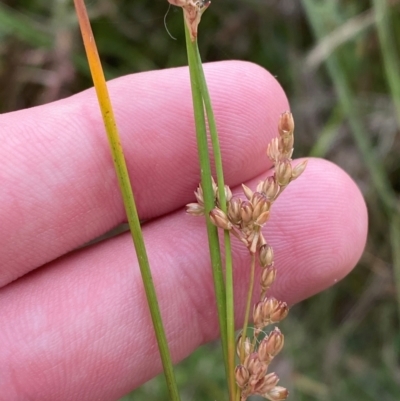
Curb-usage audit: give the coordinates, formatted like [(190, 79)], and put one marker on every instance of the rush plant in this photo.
[(247, 357)]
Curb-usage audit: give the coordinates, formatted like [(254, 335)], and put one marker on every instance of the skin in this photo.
[(74, 323)]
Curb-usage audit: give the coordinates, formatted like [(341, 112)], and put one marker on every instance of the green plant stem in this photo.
[(392, 68), (208, 193), (317, 17), (395, 241), (378, 175), (127, 193), (248, 304), (389, 51), (230, 309)]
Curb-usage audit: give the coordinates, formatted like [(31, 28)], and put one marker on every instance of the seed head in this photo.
[(268, 311)]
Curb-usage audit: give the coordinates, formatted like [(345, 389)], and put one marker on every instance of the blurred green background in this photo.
[(339, 64)]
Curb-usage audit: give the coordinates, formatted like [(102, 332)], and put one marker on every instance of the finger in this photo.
[(80, 328), (58, 183)]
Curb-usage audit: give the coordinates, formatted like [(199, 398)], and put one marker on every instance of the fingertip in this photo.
[(324, 217)]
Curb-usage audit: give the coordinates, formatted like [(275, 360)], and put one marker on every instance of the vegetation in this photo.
[(339, 62)]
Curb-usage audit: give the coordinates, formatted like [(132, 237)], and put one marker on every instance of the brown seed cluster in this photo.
[(252, 375), (255, 356), (244, 218)]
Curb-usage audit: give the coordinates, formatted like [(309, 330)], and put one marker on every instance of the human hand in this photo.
[(74, 325)]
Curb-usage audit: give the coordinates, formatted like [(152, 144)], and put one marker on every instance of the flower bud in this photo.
[(262, 218), (228, 193), (271, 345), (267, 383), (246, 212), (273, 152), (220, 219), (270, 188), (247, 191), (256, 368), (277, 394), (279, 313), (214, 187), (268, 311), (241, 375), (260, 204), (298, 169), (286, 123), (268, 276), (199, 195), (266, 255), (283, 173), (285, 146), (195, 209), (234, 212), (258, 315), (248, 346)]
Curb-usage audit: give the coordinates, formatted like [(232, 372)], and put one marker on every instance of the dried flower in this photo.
[(247, 192), (193, 9), (298, 169), (269, 187), (242, 375), (266, 384), (268, 311), (234, 210), (277, 394), (286, 123), (195, 209), (256, 368), (271, 345), (268, 276), (266, 255), (283, 172), (220, 219), (247, 346)]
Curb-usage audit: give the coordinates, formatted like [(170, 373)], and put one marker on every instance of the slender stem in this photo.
[(390, 53), (395, 241), (127, 194), (248, 304), (230, 315), (230, 310), (208, 193), (392, 67)]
